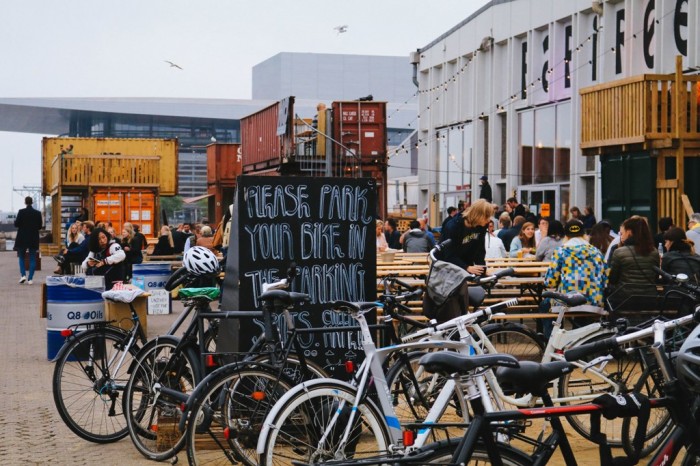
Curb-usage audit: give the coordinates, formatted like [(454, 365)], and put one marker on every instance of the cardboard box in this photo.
[(122, 313)]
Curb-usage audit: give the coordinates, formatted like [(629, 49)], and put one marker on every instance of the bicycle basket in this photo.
[(445, 281)]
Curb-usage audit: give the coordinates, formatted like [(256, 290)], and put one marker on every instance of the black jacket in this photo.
[(28, 223), (485, 192), (468, 246)]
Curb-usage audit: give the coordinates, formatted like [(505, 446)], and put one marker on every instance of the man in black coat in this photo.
[(28, 224), (485, 189)]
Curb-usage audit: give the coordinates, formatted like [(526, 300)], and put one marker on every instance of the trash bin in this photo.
[(152, 277), (71, 300)]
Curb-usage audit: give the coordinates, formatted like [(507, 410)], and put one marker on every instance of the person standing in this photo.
[(515, 209), (392, 234), (28, 224), (485, 192)]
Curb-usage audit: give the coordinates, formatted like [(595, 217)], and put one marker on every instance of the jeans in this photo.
[(32, 262)]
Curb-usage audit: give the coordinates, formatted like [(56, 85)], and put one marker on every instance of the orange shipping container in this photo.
[(118, 207)]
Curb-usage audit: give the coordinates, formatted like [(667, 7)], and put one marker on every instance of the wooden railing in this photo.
[(639, 110), (105, 170)]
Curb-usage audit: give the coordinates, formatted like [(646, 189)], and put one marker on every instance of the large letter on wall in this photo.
[(523, 72), (594, 50), (680, 20), (619, 39), (568, 31), (545, 67), (649, 34)]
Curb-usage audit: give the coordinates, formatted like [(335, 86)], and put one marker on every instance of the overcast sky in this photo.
[(96, 48)]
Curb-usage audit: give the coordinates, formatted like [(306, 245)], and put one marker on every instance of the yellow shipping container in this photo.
[(109, 162)]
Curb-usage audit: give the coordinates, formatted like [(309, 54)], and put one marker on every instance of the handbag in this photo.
[(446, 291)]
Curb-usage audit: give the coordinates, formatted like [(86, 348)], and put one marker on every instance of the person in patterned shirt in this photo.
[(577, 267)]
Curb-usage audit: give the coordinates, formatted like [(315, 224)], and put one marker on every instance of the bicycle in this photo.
[(325, 419), (157, 396), (91, 371), (480, 442)]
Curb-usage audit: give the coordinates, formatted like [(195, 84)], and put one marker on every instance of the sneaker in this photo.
[(30, 282), (59, 258), (22, 280)]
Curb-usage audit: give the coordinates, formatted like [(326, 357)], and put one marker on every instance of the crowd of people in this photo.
[(97, 249)]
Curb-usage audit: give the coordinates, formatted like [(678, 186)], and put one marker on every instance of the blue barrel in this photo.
[(71, 300), (152, 277)]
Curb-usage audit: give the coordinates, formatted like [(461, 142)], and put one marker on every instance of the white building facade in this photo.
[(499, 94)]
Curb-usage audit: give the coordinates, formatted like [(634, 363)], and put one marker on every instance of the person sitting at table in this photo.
[(468, 239), (206, 240), (541, 232), (417, 240), (507, 234), (165, 245), (632, 264), (106, 258), (600, 236), (681, 258), (523, 245), (382, 245), (392, 234), (576, 267), (554, 239), (494, 246)]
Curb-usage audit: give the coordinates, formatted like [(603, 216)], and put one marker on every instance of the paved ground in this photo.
[(31, 431)]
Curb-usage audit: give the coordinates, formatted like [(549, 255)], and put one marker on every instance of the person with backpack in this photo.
[(416, 239)]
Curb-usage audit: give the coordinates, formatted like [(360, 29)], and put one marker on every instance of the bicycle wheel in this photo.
[(413, 392), (516, 339), (152, 415), (292, 368), (583, 385), (226, 419), (659, 425), (88, 380), (323, 410), (443, 451)]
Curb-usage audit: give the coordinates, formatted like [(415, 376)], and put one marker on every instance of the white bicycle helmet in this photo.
[(688, 361), (200, 261)]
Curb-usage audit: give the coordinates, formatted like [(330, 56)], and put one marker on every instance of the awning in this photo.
[(190, 200)]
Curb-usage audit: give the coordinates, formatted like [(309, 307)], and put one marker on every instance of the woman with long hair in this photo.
[(524, 244), (165, 245), (382, 245), (600, 237), (106, 257), (632, 264), (468, 248)]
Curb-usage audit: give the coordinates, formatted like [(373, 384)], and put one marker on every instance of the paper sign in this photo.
[(158, 302), (134, 215), (544, 210), (145, 215)]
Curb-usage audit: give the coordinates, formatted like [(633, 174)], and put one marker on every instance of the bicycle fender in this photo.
[(511, 325), (151, 343), (282, 402), (80, 335)]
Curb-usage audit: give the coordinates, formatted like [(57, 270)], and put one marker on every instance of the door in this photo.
[(542, 200)]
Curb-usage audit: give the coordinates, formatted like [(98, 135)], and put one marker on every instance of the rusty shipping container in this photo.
[(360, 127), (223, 166), (134, 206), (267, 136)]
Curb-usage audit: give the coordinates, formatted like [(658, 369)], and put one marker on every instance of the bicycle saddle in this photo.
[(450, 362), (571, 300), (286, 297), (532, 377)]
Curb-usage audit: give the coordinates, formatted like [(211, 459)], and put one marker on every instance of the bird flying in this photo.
[(173, 65), (341, 29)]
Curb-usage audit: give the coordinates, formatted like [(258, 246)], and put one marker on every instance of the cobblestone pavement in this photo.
[(31, 430)]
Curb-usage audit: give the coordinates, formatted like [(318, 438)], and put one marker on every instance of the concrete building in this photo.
[(499, 95)]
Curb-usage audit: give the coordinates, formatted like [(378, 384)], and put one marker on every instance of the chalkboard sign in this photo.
[(326, 226)]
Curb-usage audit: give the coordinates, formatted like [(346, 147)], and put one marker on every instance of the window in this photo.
[(545, 144)]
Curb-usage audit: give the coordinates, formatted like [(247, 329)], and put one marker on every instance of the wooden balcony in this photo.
[(644, 112), (104, 170)]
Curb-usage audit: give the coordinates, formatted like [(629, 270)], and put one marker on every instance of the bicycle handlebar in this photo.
[(438, 248), (674, 279)]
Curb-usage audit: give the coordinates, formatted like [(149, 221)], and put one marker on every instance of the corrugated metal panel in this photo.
[(118, 207), (360, 127), (259, 140), (223, 163)]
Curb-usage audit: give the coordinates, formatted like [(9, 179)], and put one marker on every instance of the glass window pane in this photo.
[(526, 130), (544, 145)]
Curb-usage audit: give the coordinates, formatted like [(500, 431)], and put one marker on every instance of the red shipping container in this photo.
[(223, 163), (361, 127), (267, 138)]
